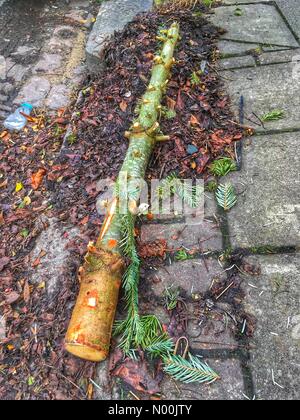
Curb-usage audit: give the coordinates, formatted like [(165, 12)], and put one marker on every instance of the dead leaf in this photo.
[(123, 105), (194, 120), (4, 183), (36, 262), (171, 103), (179, 101), (136, 373), (85, 220), (11, 297), (3, 262), (153, 249), (3, 134), (19, 186), (201, 163), (37, 178), (1, 218), (26, 292)]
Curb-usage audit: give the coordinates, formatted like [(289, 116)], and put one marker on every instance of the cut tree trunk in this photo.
[(90, 328)]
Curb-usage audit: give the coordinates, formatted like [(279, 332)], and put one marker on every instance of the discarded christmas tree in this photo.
[(101, 275)]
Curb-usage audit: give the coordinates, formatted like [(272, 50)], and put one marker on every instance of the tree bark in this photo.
[(90, 328)]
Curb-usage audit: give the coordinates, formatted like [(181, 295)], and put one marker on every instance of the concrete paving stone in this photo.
[(192, 276), (268, 210), (23, 50), (266, 88), (230, 387), (53, 241), (276, 57), (48, 63), (34, 91), (6, 88), (180, 235), (59, 97), (17, 72), (107, 388), (259, 23), (236, 62), (207, 207), (217, 332), (76, 16), (291, 11), (275, 356), (113, 16), (62, 39), (2, 68), (231, 48)]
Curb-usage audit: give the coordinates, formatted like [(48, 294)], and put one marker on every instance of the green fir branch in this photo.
[(226, 197), (160, 346), (188, 370)]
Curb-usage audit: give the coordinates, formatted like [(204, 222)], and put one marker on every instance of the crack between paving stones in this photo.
[(262, 44), (273, 132), (243, 354), (248, 53), (263, 250), (257, 64)]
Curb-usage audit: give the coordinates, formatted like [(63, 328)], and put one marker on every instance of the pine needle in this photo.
[(188, 370), (226, 197)]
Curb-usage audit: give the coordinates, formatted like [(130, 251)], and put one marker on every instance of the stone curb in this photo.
[(113, 16)]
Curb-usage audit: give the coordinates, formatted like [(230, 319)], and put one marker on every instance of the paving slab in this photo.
[(268, 208), (230, 387), (216, 332), (276, 57), (48, 63), (113, 16), (291, 11), (191, 276), (34, 91), (275, 356), (51, 248), (266, 88), (236, 62), (59, 97), (178, 235), (259, 23), (230, 48)]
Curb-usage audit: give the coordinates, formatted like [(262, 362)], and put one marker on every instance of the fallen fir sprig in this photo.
[(226, 197), (188, 370)]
